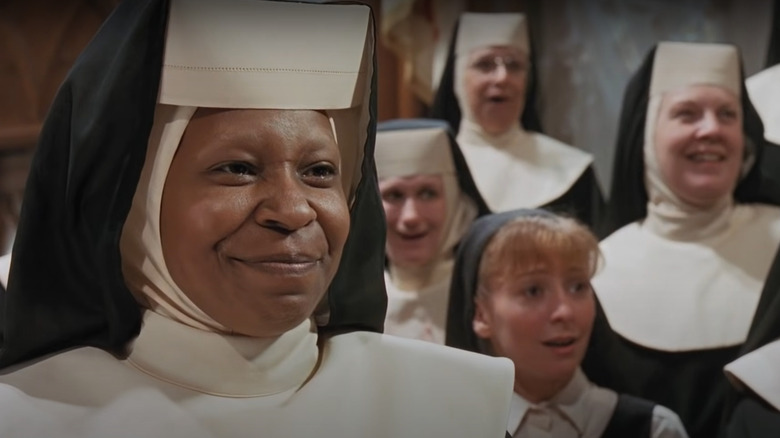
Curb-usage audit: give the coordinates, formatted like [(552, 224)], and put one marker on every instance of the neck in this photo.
[(677, 220), (470, 132), (417, 278), (537, 390)]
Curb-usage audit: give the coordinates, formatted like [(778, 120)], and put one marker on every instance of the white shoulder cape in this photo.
[(682, 296), (366, 385), (527, 170)]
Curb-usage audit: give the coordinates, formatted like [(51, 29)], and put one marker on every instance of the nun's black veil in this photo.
[(66, 287), (445, 104), (628, 194)]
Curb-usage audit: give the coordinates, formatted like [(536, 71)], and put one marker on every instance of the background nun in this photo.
[(430, 201), (488, 81), (692, 242), (199, 252)]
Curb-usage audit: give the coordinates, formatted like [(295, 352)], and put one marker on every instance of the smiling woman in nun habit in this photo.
[(521, 290), (430, 201), (200, 252), (692, 240), (487, 94)]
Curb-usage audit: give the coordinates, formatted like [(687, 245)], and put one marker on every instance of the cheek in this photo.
[(392, 212), (436, 212), (474, 86), (333, 216)]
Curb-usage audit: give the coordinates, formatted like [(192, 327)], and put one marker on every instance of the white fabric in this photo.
[(366, 384), (580, 410), (677, 65), (520, 169), (5, 267), (406, 152), (759, 370), (418, 314), (143, 264), (479, 29), (674, 295), (209, 55), (764, 90)]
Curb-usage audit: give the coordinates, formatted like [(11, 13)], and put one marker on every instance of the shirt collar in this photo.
[(569, 403)]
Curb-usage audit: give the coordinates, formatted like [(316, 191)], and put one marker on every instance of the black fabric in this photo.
[(65, 284), (460, 312), (465, 180), (691, 384), (754, 419), (633, 417), (66, 287), (445, 104), (583, 201), (764, 329), (773, 49), (628, 194)]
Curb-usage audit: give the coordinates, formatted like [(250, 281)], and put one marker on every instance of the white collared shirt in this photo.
[(580, 410)]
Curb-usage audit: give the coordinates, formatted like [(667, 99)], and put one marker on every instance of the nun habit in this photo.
[(680, 284), (97, 340)]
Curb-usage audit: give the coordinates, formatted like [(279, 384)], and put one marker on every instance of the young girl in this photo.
[(522, 290)]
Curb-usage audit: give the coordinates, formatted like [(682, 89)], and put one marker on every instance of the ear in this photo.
[(482, 322)]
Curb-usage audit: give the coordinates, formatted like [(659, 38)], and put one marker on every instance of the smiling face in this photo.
[(699, 143), (495, 83), (254, 218), (416, 211)]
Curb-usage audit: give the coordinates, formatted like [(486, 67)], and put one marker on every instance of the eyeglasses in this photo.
[(510, 63)]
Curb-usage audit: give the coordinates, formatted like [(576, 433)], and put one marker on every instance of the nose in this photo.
[(282, 203), (410, 214), (562, 305), (710, 125), (500, 73)]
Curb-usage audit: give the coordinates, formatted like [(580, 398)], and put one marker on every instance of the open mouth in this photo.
[(497, 99), (706, 157), (560, 342)]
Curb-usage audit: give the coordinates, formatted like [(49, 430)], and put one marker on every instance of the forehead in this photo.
[(701, 94), (490, 51), (411, 182)]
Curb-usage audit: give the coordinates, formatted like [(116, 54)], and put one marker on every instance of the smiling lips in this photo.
[(706, 157), (292, 265)]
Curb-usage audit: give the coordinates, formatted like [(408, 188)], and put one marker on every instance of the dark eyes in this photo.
[(687, 114), (424, 194), (489, 64), (536, 291), (237, 168), (320, 175), (241, 172)]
